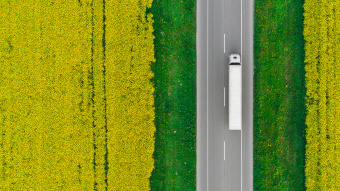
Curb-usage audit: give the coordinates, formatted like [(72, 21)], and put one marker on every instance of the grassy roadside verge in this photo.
[(279, 90), (175, 95)]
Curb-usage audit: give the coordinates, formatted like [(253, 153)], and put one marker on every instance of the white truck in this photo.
[(235, 92)]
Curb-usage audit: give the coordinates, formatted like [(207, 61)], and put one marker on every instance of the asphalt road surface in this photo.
[(224, 157)]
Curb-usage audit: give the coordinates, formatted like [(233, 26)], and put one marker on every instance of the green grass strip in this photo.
[(175, 95), (279, 90)]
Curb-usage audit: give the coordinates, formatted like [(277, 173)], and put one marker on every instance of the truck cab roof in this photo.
[(234, 59)]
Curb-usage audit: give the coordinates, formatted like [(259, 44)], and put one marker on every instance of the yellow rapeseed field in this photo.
[(322, 58), (76, 102), (129, 50)]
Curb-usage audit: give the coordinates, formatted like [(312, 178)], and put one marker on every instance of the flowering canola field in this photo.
[(76, 102), (322, 58)]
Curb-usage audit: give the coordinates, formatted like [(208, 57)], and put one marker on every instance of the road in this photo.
[(224, 157)]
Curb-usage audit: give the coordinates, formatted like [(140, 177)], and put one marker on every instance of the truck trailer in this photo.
[(235, 92)]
